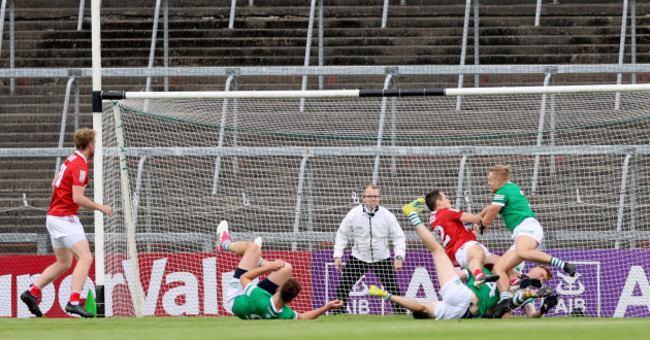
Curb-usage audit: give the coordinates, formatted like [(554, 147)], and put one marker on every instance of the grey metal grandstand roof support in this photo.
[(632, 194), (12, 39), (301, 182), (463, 49), (231, 81), (80, 21), (64, 115), (152, 51), (621, 201), (231, 21), (540, 131), (310, 32), (476, 42), (321, 42), (633, 37), (384, 14), (463, 168), (389, 82), (621, 50), (142, 165), (310, 202)]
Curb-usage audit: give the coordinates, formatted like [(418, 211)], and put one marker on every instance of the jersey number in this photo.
[(59, 177), (441, 232)]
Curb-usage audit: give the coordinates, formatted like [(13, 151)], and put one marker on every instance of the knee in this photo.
[(64, 264), (522, 254), (253, 248)]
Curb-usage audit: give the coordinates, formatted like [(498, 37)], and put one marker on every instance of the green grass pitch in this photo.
[(340, 327)]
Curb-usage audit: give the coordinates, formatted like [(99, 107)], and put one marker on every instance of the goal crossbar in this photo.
[(378, 93)]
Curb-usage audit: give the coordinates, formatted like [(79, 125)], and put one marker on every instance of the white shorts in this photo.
[(65, 231), (234, 290), (456, 299), (528, 227), (461, 253)]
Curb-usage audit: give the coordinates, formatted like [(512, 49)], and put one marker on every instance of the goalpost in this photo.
[(173, 172)]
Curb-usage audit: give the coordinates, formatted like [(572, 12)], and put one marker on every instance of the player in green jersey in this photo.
[(269, 298), (459, 300), (527, 233)]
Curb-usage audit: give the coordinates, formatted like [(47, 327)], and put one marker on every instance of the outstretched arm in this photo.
[(313, 314), (489, 213), (250, 275)]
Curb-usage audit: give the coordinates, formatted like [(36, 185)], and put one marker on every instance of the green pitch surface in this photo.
[(340, 327)]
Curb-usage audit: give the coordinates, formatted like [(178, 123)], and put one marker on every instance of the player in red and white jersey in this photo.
[(459, 241), (66, 232)]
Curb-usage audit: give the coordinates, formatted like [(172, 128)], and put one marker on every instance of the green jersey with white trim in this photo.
[(256, 303), (514, 205), (488, 295)]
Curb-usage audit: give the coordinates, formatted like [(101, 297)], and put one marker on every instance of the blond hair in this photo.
[(83, 137), (503, 171)]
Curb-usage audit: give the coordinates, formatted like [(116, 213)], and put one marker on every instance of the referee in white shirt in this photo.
[(370, 226)]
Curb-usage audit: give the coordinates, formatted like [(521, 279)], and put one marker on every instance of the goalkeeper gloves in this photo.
[(412, 209), (549, 303)]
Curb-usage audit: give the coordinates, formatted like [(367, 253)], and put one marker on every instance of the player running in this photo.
[(510, 202), (459, 241), (269, 298)]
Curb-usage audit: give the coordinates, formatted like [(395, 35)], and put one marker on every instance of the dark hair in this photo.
[(421, 315), (289, 290), (432, 197)]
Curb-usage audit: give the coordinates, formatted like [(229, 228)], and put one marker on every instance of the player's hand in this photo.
[(105, 209), (397, 265), (276, 265), (337, 264), (549, 303), (334, 304), (413, 206)]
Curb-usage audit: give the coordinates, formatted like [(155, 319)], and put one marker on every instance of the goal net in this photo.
[(289, 174)]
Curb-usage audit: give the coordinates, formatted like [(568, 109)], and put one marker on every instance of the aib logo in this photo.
[(570, 285), (579, 295)]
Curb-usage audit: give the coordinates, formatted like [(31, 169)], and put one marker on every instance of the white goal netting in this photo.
[(290, 176)]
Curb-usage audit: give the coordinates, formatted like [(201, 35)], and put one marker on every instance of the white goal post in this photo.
[(174, 170)]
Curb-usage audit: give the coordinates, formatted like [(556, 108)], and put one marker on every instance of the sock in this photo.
[(259, 263), (225, 245), (557, 262), (504, 295), (518, 299), (35, 290), (74, 298), (478, 274), (513, 281), (415, 218), (464, 276)]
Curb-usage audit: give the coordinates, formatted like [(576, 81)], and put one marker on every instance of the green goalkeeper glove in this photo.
[(412, 209)]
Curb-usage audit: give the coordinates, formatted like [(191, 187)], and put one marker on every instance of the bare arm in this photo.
[(83, 201), (470, 218), (491, 212), (250, 275), (531, 311), (313, 314)]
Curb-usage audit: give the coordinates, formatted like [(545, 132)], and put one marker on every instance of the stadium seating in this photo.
[(269, 34)]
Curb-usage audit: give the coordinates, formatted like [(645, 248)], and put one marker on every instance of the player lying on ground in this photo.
[(527, 233), (458, 300), (269, 298), (459, 241), (536, 277)]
